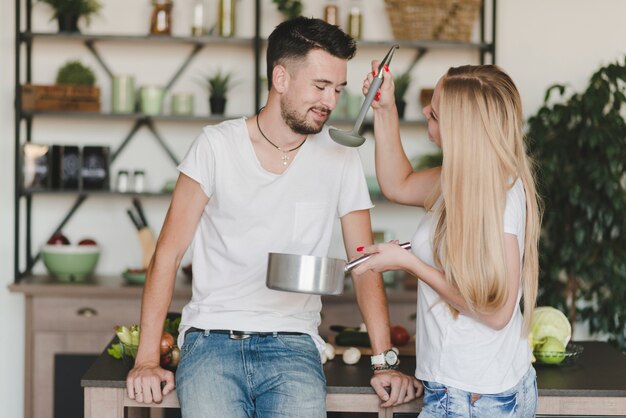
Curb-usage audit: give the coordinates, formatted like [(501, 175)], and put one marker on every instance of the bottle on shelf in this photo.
[(331, 13), (199, 18), (355, 21), (161, 21), (226, 18)]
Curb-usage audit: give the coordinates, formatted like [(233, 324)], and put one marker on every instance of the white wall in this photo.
[(540, 42)]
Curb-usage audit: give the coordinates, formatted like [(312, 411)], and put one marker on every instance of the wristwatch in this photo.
[(387, 360)]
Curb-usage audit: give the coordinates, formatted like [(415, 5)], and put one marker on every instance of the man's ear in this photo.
[(280, 78)]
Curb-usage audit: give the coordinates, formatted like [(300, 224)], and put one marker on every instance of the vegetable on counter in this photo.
[(129, 339)]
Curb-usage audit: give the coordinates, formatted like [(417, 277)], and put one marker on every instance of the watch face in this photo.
[(391, 358)]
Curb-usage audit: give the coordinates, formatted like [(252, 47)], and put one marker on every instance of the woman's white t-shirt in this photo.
[(462, 352), (252, 212)]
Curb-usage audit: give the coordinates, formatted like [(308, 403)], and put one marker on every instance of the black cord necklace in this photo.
[(285, 156)]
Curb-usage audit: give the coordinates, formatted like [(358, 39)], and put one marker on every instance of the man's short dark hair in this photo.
[(294, 39)]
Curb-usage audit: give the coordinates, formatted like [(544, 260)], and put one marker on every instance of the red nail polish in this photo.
[(377, 97), (386, 68), (360, 249), (374, 73)]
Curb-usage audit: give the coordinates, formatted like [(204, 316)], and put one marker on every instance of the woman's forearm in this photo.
[(392, 165)]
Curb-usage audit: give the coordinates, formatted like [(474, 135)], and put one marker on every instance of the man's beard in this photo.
[(298, 123)]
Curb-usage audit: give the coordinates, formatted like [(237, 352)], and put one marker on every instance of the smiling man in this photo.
[(274, 182)]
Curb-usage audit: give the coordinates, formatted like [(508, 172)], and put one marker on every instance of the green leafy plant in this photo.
[(84, 8), (425, 161), (219, 83), (289, 8), (579, 145), (74, 72), (401, 84)]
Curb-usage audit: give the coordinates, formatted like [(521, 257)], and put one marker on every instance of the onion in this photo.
[(352, 355)]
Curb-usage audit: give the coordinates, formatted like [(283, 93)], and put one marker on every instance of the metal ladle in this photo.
[(353, 138)]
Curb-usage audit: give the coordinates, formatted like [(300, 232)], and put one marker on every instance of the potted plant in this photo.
[(289, 8), (67, 12), (401, 84), (218, 85), (579, 145), (75, 73)]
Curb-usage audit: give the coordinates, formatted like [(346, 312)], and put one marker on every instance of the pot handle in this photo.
[(352, 264)]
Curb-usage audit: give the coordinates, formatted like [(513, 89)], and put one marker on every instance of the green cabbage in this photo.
[(550, 322)]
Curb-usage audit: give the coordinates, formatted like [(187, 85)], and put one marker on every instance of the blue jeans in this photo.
[(517, 402), (260, 376)]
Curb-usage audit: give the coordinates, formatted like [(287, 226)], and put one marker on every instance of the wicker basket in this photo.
[(445, 20)]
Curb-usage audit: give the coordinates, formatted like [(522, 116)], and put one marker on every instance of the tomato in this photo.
[(167, 342), (399, 335)]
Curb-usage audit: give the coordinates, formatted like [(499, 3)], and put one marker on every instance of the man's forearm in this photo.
[(372, 300)]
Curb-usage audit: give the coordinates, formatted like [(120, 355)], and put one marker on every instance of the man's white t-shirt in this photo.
[(252, 212), (464, 353)]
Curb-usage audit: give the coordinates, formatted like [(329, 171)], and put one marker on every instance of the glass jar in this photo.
[(199, 18), (226, 18), (161, 21), (139, 181), (355, 22), (331, 14), (122, 181)]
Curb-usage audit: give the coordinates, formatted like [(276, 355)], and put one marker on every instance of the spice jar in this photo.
[(122, 181), (139, 181), (161, 22)]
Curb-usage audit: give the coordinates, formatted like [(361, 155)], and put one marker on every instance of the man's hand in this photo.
[(403, 388), (143, 383)]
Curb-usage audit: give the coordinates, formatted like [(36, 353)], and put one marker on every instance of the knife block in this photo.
[(148, 244)]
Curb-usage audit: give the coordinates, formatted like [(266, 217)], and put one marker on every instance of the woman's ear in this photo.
[(280, 78)]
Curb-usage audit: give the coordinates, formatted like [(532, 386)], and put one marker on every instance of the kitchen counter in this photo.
[(594, 385), (64, 319)]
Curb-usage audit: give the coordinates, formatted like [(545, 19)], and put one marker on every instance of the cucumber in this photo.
[(353, 338)]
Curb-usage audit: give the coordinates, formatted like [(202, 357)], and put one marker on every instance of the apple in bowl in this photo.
[(58, 239)]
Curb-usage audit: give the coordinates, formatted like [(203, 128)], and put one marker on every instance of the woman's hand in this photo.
[(385, 97), (385, 257)]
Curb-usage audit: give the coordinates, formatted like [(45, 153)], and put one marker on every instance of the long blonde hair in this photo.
[(480, 121)]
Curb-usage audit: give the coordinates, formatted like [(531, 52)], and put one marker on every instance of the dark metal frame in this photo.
[(23, 121)]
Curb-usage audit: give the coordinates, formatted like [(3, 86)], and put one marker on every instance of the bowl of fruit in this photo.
[(70, 263), (550, 338)]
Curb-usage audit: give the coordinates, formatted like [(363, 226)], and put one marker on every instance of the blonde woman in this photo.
[(475, 249)]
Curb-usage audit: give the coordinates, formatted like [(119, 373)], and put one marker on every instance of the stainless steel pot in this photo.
[(310, 274)]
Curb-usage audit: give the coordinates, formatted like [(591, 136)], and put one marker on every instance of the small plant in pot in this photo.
[(401, 84), (218, 85), (67, 12), (75, 73), (290, 9)]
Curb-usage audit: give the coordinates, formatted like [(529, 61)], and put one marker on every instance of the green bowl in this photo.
[(70, 263), (138, 278)]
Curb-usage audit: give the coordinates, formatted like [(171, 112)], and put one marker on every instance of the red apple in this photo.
[(87, 241), (58, 239)]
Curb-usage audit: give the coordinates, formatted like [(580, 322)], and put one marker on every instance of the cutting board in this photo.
[(405, 350)]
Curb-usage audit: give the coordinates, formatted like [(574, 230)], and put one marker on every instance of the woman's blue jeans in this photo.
[(260, 376), (518, 402)]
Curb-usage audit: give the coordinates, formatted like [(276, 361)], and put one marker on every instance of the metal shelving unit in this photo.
[(23, 120)]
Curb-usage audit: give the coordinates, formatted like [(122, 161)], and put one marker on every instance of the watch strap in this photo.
[(378, 359)]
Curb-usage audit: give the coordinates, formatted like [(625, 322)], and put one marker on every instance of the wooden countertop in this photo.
[(599, 372), (116, 286)]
